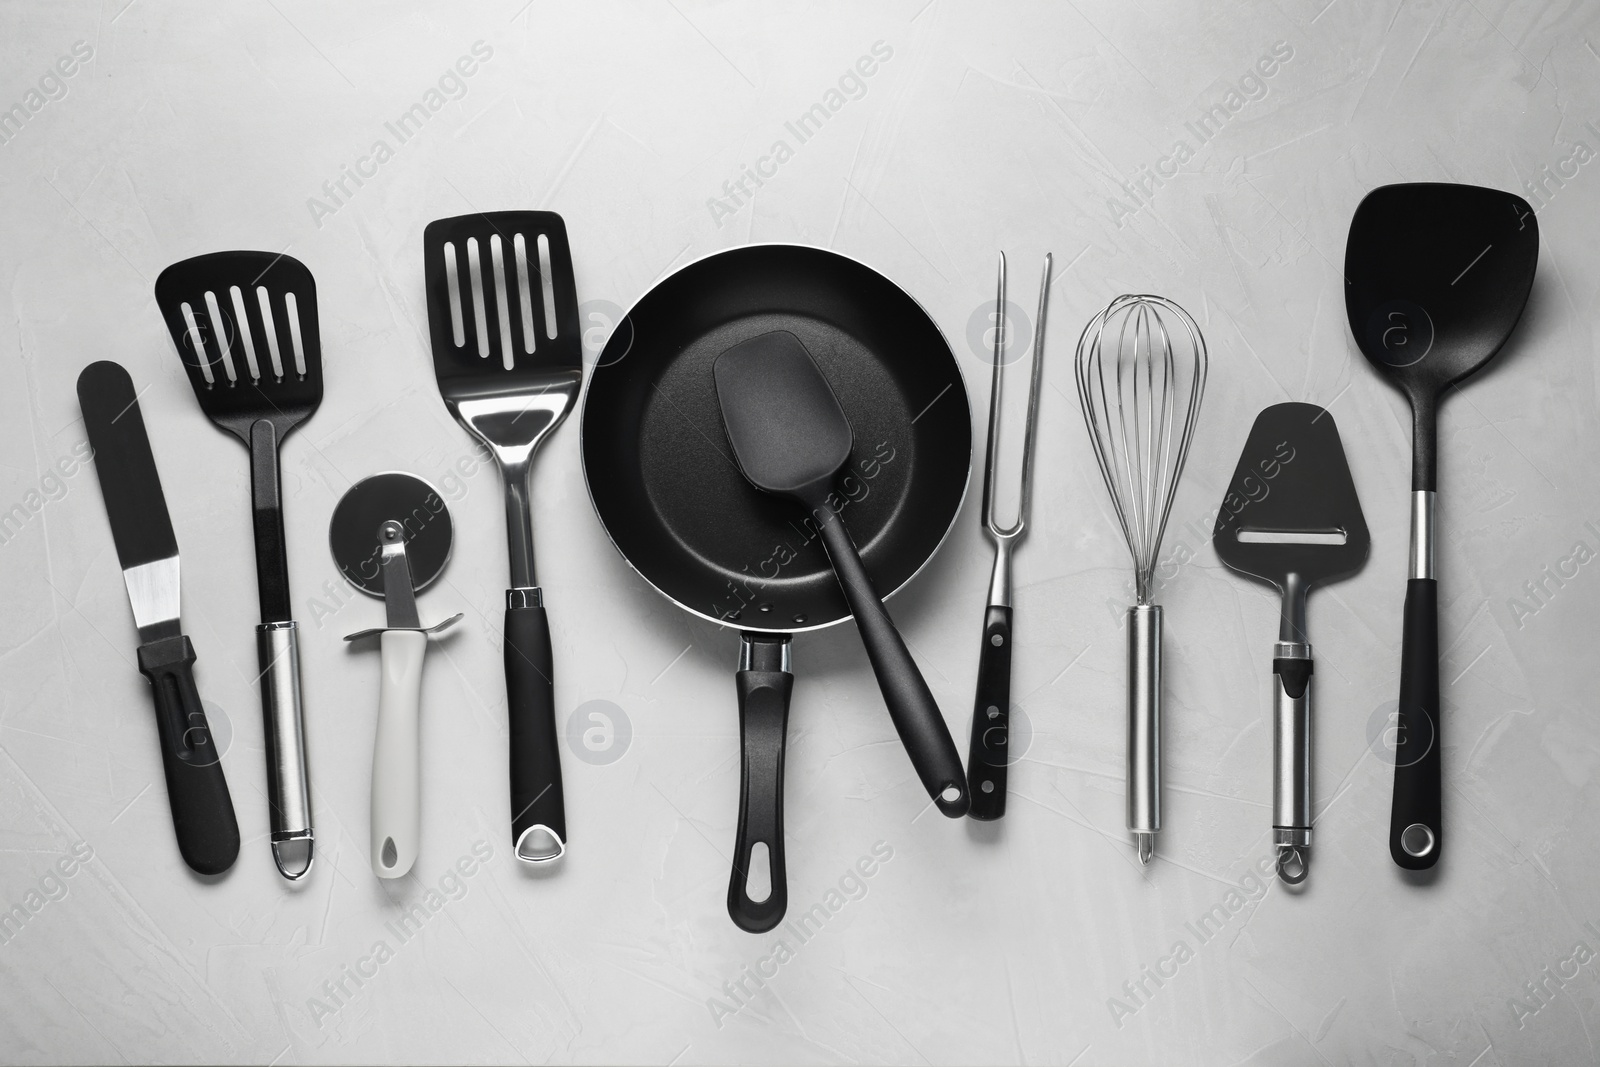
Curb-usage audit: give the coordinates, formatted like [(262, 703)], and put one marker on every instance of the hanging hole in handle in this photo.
[(758, 880), (292, 853), (951, 794), (539, 844), (1417, 840), (987, 787), (1293, 866), (390, 854)]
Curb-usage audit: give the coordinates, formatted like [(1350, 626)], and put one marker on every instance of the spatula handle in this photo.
[(1415, 834), (911, 705), (538, 807), (765, 683), (991, 718), (202, 808)]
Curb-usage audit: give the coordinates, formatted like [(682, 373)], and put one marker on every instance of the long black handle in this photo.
[(915, 713), (991, 719), (266, 498), (202, 808), (764, 688), (537, 801), (1415, 834)]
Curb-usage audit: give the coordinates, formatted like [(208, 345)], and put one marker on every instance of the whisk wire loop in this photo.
[(1140, 413)]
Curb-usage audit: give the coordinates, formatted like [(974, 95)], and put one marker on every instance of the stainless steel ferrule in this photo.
[(1144, 718), (288, 788), (1000, 577), (525, 597), (1422, 540)]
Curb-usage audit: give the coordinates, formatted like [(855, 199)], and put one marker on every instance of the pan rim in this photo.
[(588, 485)]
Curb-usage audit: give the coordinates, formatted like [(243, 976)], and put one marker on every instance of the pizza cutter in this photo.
[(391, 536)]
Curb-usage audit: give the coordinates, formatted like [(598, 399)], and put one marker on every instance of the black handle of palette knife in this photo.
[(202, 808), (991, 719), (764, 683), (1415, 834), (538, 808), (915, 713)]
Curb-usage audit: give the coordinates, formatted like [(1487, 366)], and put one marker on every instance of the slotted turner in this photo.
[(1291, 519), (245, 325), (503, 319)]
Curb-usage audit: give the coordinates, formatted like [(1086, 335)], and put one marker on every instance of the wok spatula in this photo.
[(508, 354), (1291, 519), (790, 438), (245, 325), (1436, 277)]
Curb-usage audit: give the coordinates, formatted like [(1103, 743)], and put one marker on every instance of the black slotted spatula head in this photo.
[(502, 308), (245, 324)]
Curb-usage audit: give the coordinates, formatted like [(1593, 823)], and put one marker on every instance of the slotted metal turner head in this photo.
[(503, 319), (245, 325)]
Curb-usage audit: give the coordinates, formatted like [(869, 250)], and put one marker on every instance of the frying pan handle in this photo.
[(538, 806), (764, 683), (915, 713), (1415, 833), (991, 718), (202, 808)]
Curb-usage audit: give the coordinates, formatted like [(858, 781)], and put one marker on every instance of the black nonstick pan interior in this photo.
[(664, 482), (661, 473)]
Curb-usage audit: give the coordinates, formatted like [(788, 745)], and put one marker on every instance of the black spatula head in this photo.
[(788, 432), (245, 324), (1436, 277), (1291, 517)]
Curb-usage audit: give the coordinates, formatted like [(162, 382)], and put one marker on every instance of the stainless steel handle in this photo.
[(1144, 726), (1291, 759), (288, 788)]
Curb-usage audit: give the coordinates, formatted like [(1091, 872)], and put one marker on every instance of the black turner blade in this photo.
[(1291, 517)]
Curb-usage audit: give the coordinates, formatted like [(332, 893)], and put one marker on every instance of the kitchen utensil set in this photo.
[(788, 438)]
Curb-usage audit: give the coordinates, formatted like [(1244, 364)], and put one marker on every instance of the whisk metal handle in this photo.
[(1144, 723)]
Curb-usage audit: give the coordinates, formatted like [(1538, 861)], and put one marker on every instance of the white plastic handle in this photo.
[(396, 760)]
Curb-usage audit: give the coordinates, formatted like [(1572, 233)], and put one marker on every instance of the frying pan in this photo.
[(664, 483)]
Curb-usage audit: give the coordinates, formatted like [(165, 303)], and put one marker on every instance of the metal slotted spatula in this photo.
[(245, 324), (1291, 519), (503, 319)]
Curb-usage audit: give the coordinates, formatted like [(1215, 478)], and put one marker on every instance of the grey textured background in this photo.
[(198, 127)]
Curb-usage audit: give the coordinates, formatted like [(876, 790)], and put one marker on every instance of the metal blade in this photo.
[(399, 595), (135, 504)]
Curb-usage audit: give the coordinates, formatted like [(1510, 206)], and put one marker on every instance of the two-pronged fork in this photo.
[(991, 709)]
